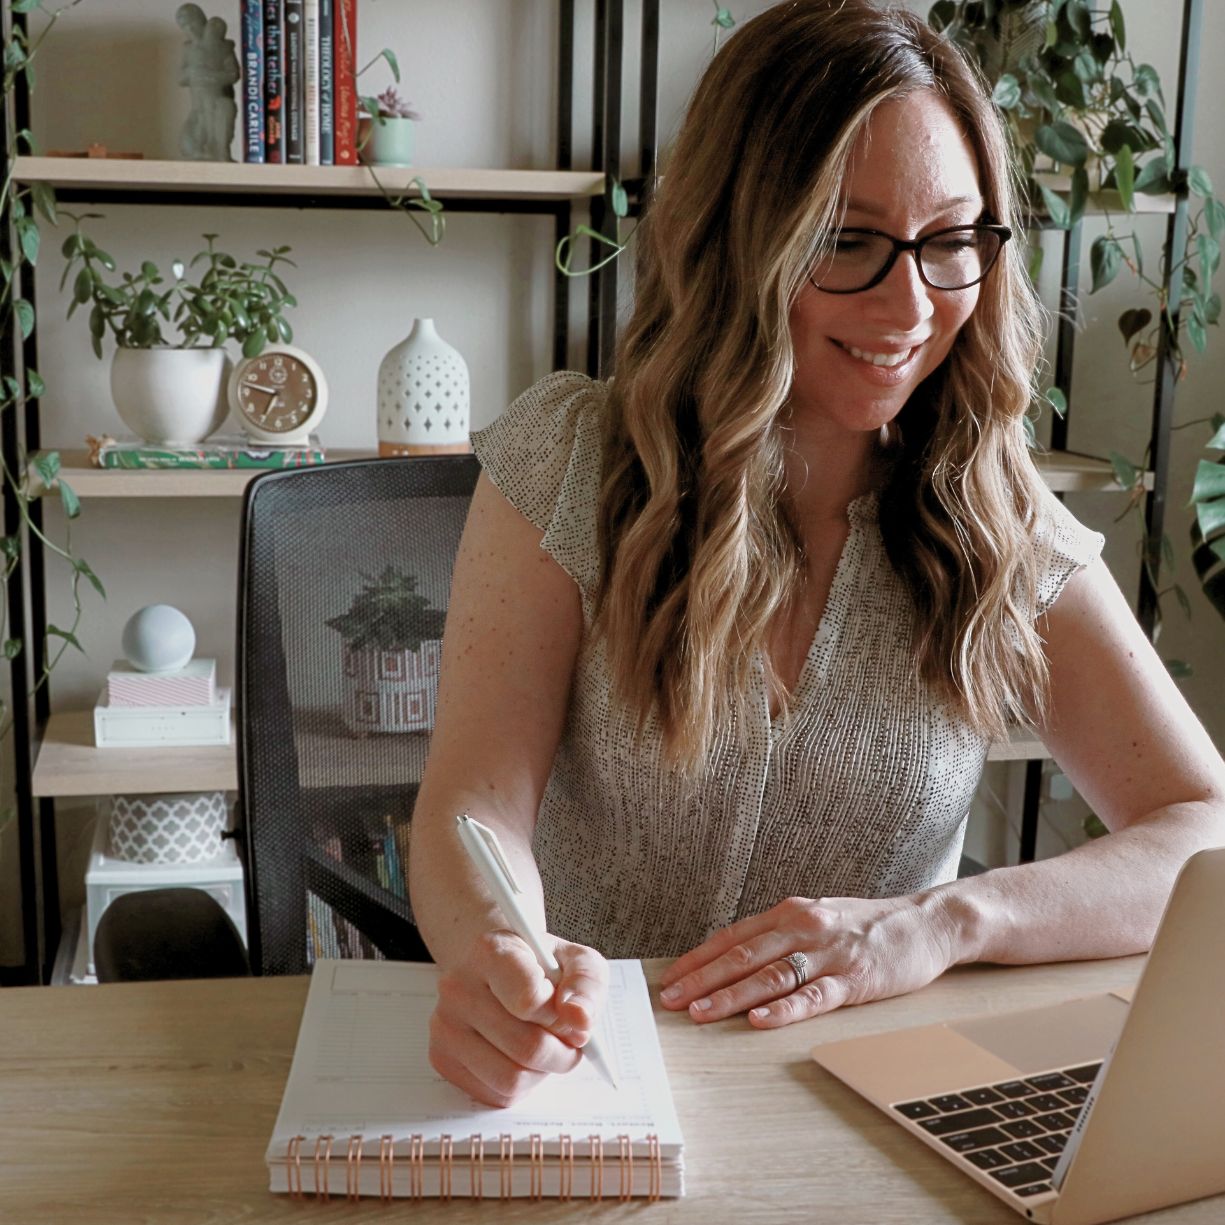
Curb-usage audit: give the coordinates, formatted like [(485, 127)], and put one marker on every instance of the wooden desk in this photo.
[(153, 1103)]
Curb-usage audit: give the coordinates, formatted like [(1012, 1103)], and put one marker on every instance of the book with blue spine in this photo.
[(327, 84), (253, 146), (274, 80)]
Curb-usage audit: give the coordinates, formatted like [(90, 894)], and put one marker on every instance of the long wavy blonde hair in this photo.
[(698, 551)]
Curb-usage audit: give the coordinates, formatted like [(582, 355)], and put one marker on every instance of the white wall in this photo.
[(482, 73)]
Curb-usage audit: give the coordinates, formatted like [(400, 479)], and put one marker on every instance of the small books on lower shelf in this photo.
[(364, 1113), (220, 451)]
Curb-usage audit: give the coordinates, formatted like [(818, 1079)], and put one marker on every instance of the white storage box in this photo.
[(107, 878), (195, 684), (152, 727)]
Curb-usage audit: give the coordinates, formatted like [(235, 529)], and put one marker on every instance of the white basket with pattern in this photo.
[(181, 827)]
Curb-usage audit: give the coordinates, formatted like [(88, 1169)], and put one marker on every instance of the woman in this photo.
[(729, 637)]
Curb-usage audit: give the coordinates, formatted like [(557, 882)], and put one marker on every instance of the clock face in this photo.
[(276, 392)]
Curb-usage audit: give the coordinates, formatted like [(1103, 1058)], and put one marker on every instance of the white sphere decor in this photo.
[(180, 827), (158, 638), (423, 396)]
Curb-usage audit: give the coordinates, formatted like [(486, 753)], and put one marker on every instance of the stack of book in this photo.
[(152, 709), (220, 451), (299, 82)]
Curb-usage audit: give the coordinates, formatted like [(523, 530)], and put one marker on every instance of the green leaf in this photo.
[(1007, 92), (1125, 178), (34, 384), (1212, 308), (1056, 207), (1062, 142), (28, 236), (1125, 472), (1152, 179), (1209, 255), (1058, 401), (54, 631), (12, 648), (44, 201), (1217, 441), (394, 64), (1133, 321), (1153, 109), (1105, 258), (47, 465), (1146, 81), (70, 501), (1214, 216), (619, 200), (1209, 482), (82, 567), (83, 286), (25, 317), (1117, 27), (1178, 668), (1199, 181), (1198, 333)]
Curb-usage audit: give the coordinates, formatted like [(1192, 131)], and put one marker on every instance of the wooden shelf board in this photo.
[(1101, 202), (69, 764), (1071, 472), (87, 481), (117, 174)]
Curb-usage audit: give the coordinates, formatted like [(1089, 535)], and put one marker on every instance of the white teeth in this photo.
[(878, 359)]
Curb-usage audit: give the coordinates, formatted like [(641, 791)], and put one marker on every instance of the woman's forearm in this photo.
[(1103, 899), (450, 903)]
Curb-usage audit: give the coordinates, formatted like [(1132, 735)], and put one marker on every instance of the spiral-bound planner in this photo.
[(364, 1114)]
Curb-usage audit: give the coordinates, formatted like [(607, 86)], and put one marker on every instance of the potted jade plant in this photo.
[(385, 130), (170, 370), (392, 650)]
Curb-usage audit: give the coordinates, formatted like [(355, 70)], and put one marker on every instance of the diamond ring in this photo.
[(799, 963)]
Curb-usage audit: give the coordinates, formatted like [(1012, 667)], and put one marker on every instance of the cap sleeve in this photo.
[(543, 454), (1064, 546)]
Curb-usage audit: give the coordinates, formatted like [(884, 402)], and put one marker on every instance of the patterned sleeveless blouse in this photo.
[(863, 790)]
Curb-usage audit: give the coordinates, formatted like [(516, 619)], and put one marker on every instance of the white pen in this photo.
[(486, 853)]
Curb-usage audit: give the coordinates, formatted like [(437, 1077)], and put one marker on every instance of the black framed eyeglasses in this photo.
[(954, 258)]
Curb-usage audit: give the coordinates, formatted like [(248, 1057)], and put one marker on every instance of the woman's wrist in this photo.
[(958, 913)]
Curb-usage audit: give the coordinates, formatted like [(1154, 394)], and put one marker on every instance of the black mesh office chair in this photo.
[(339, 564)]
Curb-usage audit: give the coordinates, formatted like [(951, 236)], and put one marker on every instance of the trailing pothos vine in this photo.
[(22, 207)]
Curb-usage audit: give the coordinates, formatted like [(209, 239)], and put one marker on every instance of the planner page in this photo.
[(361, 1068)]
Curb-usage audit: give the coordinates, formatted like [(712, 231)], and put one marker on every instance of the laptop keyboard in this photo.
[(1013, 1130)]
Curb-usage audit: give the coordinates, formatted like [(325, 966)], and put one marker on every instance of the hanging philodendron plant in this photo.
[(24, 208), (1088, 124), (1208, 529)]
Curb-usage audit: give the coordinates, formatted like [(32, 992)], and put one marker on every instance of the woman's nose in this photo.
[(903, 299)]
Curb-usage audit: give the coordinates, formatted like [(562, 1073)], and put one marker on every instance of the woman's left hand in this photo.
[(857, 949)]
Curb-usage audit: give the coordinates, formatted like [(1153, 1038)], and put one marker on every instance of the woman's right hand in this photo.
[(500, 1026)]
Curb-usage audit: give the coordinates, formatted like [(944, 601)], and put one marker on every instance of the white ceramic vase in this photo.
[(423, 396), (170, 397)]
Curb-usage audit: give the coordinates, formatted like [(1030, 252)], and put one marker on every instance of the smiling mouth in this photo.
[(887, 360)]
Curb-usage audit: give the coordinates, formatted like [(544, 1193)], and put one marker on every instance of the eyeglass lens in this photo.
[(955, 259)]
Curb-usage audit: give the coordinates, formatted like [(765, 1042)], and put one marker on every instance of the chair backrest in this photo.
[(344, 577)]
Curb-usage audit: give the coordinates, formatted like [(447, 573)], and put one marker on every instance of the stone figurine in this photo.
[(210, 70)]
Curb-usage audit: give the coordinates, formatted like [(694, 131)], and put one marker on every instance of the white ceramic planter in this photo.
[(424, 397), (390, 143), (392, 691), (171, 397)]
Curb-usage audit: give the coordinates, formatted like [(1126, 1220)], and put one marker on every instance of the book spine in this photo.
[(295, 114), (253, 146), (344, 81), (141, 458), (327, 83), (310, 90), (274, 80)]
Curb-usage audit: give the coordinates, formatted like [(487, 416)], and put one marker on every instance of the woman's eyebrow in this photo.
[(875, 210)]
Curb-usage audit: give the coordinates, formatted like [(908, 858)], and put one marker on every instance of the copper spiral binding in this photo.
[(625, 1151), (476, 1166), (565, 1168), (536, 1171), (655, 1183), (293, 1155), (597, 1166), (322, 1166), (416, 1167), (387, 1168), (506, 1166), (353, 1169), (446, 1157)]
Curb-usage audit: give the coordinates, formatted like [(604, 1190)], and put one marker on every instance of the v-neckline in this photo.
[(859, 511)]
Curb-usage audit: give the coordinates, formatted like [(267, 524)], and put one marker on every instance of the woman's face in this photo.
[(912, 171)]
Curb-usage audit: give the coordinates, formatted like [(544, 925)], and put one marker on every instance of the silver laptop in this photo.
[(1084, 1111)]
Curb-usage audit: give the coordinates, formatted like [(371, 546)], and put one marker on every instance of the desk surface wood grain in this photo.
[(152, 1104)]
